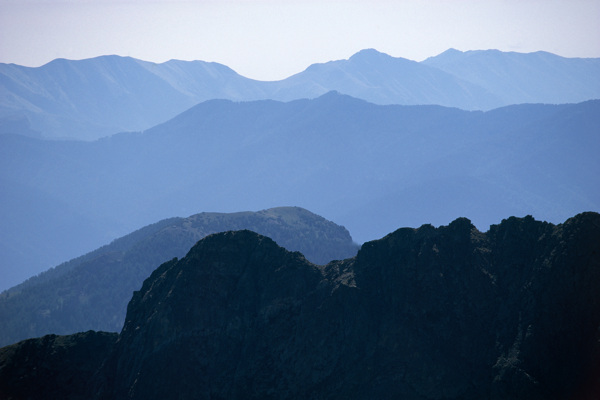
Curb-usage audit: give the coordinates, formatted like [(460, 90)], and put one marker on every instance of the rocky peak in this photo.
[(234, 298)]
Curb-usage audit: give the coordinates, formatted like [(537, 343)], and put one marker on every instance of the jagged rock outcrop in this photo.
[(427, 313)]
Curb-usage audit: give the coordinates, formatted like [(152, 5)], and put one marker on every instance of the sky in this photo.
[(271, 40)]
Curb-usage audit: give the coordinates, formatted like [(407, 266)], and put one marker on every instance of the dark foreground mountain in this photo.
[(91, 292), (97, 97), (428, 313), (370, 168)]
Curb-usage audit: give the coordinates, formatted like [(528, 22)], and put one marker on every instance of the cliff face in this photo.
[(427, 313), (511, 313), (551, 285)]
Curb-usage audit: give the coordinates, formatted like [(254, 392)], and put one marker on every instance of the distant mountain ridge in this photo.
[(422, 314), (381, 79), (91, 292), (367, 167), (96, 97), (516, 78)]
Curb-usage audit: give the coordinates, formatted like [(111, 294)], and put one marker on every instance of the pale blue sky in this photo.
[(271, 39)]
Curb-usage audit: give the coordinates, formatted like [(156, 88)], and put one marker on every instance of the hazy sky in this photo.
[(270, 39)]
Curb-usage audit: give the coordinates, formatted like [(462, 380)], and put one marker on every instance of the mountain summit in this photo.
[(382, 79)]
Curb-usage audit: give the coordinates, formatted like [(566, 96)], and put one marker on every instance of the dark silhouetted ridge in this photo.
[(427, 313)]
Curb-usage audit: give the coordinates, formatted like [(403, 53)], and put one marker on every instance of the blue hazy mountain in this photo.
[(368, 167), (517, 78), (97, 97), (382, 79)]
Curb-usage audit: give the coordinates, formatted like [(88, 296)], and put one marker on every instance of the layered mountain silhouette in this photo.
[(367, 167), (373, 142), (92, 291), (427, 313), (92, 98)]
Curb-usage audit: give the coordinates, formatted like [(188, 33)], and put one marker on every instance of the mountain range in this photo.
[(367, 167), (91, 292), (92, 98), (428, 313), (374, 142)]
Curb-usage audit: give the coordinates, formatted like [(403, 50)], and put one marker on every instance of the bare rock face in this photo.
[(427, 313)]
